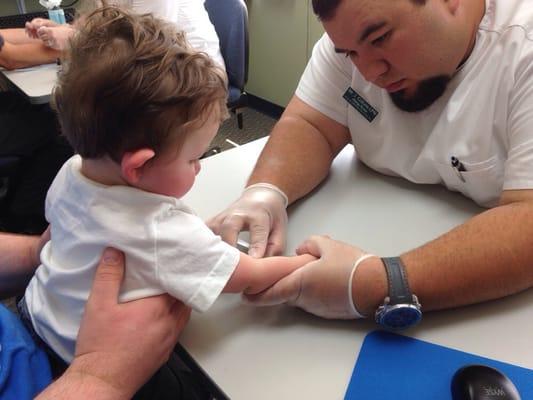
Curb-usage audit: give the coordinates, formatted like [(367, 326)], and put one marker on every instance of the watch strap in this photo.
[(399, 292)]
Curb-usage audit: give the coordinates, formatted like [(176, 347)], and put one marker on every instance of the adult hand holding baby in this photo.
[(119, 346)]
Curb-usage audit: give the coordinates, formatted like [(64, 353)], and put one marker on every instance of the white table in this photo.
[(36, 83), (284, 353)]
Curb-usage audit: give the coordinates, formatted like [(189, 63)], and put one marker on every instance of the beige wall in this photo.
[(282, 35)]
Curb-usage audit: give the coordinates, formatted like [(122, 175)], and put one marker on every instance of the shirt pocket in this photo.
[(481, 181)]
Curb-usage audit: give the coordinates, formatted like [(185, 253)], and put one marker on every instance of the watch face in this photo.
[(401, 316)]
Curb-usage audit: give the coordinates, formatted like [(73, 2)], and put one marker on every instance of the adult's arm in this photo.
[(300, 150), (14, 56), (17, 36), (19, 258), (488, 257), (296, 158), (119, 345)]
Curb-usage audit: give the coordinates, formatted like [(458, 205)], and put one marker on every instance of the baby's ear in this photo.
[(132, 164)]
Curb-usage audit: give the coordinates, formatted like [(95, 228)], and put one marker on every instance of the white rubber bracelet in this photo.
[(273, 187), (354, 310)]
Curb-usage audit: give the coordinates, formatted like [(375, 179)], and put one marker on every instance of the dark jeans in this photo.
[(30, 132)]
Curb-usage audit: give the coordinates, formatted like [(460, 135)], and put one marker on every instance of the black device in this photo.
[(480, 382)]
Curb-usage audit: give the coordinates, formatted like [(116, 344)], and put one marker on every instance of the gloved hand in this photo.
[(261, 209), (322, 287)]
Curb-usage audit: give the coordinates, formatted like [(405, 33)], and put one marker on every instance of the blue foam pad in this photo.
[(396, 367)]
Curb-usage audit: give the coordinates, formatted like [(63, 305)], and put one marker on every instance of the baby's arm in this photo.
[(253, 275)]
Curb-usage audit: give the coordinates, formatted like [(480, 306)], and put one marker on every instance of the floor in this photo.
[(255, 126)]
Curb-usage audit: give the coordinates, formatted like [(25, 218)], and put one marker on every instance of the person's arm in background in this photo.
[(253, 275), (296, 158), (17, 36), (119, 346), (19, 258), (24, 55)]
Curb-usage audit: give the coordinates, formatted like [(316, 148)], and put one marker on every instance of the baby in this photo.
[(140, 107)]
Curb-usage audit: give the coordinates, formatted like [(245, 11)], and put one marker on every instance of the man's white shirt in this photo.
[(484, 119)]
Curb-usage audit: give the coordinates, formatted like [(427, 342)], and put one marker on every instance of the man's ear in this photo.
[(132, 164)]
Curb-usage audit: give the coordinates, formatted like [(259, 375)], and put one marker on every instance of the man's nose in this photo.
[(372, 67)]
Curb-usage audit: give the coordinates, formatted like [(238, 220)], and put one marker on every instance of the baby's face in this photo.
[(174, 173)]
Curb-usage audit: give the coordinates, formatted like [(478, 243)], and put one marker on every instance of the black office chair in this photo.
[(230, 19)]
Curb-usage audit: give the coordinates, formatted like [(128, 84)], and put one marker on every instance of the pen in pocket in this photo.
[(458, 167)]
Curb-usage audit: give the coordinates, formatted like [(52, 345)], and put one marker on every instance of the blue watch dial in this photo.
[(401, 316)]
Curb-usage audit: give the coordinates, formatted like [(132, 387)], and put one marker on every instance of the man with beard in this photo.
[(436, 92)]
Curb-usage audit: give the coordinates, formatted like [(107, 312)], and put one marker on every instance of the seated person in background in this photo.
[(139, 118), (189, 16), (43, 152), (19, 51), (29, 132)]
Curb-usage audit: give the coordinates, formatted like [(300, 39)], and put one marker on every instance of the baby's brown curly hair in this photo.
[(130, 81)]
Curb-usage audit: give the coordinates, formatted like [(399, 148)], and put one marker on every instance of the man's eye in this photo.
[(382, 39)]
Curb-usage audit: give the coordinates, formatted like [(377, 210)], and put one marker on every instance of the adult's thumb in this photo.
[(108, 276)]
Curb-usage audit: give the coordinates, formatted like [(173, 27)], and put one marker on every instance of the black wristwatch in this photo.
[(400, 309)]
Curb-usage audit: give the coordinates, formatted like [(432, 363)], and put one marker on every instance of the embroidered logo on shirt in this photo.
[(360, 104)]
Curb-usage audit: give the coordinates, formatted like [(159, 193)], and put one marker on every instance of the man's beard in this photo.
[(426, 93)]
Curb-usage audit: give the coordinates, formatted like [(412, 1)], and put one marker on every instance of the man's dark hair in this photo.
[(325, 9)]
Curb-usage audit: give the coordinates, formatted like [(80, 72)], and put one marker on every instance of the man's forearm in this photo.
[(300, 150), (18, 261), (295, 159), (488, 257)]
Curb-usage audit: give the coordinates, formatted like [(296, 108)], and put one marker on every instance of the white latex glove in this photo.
[(322, 287), (261, 209)]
